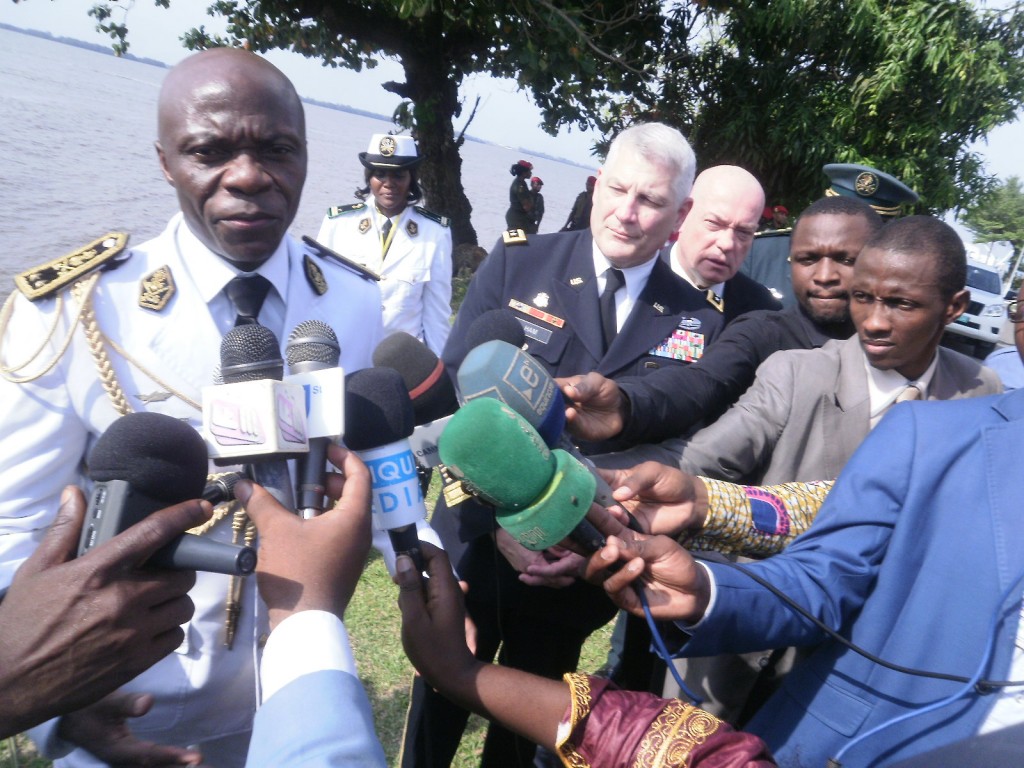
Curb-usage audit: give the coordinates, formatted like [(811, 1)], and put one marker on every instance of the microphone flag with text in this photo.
[(254, 418), (498, 370), (541, 496), (313, 353), (145, 462), (378, 422)]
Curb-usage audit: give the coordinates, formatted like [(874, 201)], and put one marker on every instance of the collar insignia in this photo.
[(576, 281), (658, 308), (156, 289), (412, 229), (314, 275), (364, 226), (715, 300)]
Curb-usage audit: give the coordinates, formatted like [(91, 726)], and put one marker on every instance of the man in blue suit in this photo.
[(915, 557), (315, 711)]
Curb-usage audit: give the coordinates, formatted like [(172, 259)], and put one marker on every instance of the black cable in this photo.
[(982, 686)]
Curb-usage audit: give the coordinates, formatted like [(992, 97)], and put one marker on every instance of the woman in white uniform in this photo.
[(407, 245)]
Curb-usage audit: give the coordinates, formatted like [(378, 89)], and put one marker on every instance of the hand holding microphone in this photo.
[(145, 462)]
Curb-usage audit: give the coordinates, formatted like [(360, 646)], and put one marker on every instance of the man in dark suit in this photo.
[(715, 238), (646, 319)]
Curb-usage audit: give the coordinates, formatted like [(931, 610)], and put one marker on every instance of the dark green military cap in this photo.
[(885, 193)]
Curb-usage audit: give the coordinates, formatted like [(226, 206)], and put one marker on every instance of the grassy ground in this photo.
[(373, 621)]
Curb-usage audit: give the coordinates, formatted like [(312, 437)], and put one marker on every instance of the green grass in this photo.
[(375, 625)]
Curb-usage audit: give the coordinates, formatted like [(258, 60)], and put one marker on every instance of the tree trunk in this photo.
[(434, 91)]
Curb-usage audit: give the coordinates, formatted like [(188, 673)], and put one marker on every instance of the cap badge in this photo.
[(866, 184), (387, 146)]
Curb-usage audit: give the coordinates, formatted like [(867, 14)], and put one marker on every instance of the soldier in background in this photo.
[(579, 216), (538, 204)]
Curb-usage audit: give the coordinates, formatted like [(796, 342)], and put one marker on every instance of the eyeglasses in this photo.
[(1015, 312)]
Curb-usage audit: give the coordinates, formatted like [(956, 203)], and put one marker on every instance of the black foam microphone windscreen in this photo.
[(158, 455), (495, 325), (378, 410), (429, 386)]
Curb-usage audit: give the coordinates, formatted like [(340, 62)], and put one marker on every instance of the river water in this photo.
[(77, 158)]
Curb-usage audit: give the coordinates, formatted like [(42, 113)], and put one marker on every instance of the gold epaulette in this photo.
[(326, 253), (335, 211), (444, 221), (45, 280), (513, 236)]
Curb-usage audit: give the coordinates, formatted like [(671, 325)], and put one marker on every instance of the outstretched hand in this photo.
[(663, 499), (102, 729), (75, 629), (675, 586), (433, 622), (312, 564), (595, 406)]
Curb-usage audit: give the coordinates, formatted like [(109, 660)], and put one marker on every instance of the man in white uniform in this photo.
[(407, 245), (106, 331)]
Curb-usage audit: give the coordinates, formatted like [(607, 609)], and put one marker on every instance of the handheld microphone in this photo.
[(253, 417), (221, 488), (541, 496), (496, 369), (378, 422), (430, 389), (145, 462), (313, 354), (495, 325)]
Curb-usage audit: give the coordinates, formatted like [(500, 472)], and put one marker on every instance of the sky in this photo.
[(506, 115)]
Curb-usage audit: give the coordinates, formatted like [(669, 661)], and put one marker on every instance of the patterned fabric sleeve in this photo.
[(757, 521), (606, 727)]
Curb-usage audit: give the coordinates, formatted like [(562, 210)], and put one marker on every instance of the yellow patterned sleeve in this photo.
[(757, 521)]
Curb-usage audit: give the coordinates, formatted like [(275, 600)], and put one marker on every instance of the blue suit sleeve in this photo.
[(320, 719), (484, 294), (831, 569)]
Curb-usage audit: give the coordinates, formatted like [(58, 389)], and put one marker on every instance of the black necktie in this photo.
[(247, 294), (613, 280), (384, 232)]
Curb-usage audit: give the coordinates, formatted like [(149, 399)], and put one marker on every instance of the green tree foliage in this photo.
[(570, 56), (784, 86), (780, 87)]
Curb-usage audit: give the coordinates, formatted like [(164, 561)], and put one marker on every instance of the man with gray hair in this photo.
[(588, 300)]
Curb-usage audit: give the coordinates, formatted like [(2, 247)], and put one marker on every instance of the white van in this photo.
[(986, 312)]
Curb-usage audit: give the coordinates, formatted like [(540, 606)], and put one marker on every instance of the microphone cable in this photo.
[(980, 685)]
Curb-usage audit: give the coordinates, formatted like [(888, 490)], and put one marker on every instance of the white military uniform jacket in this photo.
[(416, 273), (203, 691)]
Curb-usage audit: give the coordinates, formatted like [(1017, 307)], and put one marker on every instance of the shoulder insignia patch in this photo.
[(314, 275), (715, 300), (45, 280), (337, 210), (513, 236), (412, 229), (326, 253), (444, 221), (156, 289)]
